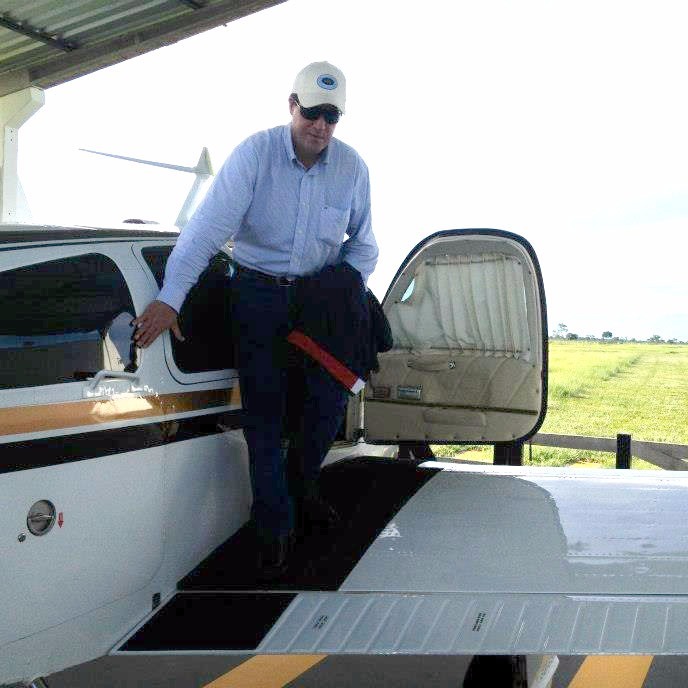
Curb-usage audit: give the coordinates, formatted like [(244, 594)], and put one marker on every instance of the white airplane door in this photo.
[(469, 363)]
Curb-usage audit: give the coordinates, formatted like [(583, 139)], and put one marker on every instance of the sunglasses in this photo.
[(330, 113)]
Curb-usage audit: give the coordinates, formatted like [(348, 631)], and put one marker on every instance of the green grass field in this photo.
[(601, 389)]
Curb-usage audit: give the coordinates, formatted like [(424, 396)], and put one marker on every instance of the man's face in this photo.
[(310, 137)]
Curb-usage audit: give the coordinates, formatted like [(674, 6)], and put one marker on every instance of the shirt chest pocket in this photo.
[(333, 225)]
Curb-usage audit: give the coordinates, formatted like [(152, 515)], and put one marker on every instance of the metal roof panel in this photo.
[(46, 42)]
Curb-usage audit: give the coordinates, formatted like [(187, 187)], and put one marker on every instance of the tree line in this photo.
[(562, 332)]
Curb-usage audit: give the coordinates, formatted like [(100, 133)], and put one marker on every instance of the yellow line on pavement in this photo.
[(612, 671), (266, 671)]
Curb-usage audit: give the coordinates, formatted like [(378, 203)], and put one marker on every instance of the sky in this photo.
[(566, 123)]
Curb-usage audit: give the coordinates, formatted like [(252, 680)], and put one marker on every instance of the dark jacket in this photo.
[(341, 324)]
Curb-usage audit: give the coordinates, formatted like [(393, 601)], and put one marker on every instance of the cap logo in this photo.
[(327, 81)]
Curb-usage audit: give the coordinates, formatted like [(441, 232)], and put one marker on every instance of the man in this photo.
[(288, 197)]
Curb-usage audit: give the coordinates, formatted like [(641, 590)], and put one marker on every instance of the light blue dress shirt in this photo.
[(283, 218)]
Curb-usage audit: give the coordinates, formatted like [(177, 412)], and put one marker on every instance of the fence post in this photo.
[(623, 451)]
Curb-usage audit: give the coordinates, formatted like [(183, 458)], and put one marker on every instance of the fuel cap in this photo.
[(41, 517)]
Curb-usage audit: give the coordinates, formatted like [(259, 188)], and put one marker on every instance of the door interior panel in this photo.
[(469, 358)]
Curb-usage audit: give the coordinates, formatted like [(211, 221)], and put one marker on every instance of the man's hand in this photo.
[(157, 318)]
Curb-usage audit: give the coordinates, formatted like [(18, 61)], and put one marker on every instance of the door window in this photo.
[(474, 302), (205, 316), (64, 320)]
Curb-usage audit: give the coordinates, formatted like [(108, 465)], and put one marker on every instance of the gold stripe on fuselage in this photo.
[(74, 414)]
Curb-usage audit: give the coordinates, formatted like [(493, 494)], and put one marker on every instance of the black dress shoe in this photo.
[(273, 555)]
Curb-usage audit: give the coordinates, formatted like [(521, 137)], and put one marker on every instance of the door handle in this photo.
[(107, 374), (431, 366)]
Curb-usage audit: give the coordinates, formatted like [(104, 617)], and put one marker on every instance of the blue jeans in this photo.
[(263, 315)]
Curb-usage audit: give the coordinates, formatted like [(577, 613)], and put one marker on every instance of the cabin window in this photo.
[(64, 320), (205, 316), (465, 303)]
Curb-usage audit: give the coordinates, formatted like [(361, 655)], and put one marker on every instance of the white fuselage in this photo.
[(143, 480)]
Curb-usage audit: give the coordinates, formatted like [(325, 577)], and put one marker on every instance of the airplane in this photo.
[(124, 482)]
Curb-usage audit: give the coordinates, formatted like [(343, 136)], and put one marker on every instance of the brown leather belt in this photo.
[(277, 280)]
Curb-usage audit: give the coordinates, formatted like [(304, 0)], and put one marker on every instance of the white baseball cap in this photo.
[(320, 83)]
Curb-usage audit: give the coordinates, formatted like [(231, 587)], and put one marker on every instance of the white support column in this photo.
[(15, 109)]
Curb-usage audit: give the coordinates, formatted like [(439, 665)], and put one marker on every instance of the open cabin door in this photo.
[(469, 362)]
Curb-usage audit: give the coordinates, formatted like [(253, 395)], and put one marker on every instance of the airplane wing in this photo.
[(442, 558)]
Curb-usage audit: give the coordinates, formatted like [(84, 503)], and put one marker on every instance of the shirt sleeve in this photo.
[(216, 220), (360, 249)]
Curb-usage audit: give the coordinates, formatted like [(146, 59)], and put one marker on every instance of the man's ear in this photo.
[(292, 105)]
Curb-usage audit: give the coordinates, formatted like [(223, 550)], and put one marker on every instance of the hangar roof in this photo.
[(47, 42)]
